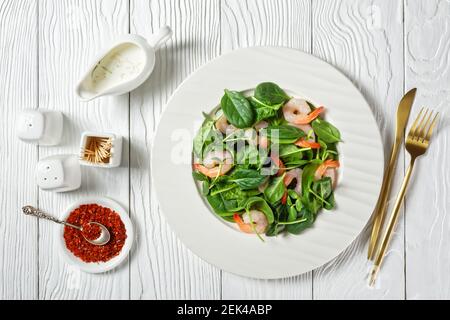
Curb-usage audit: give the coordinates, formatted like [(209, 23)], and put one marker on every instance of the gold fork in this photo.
[(416, 144)]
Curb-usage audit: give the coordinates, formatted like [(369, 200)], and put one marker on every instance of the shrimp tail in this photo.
[(242, 226), (325, 165), (310, 117), (307, 144)]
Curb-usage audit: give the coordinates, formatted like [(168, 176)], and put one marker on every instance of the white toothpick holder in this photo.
[(115, 153), (58, 173), (43, 127)]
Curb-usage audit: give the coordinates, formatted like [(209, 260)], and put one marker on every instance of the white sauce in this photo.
[(121, 64)]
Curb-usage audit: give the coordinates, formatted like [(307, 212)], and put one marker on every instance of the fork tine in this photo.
[(420, 125), (432, 125), (412, 131), (423, 130)]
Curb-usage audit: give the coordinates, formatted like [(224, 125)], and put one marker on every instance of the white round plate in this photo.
[(361, 156), (97, 267)]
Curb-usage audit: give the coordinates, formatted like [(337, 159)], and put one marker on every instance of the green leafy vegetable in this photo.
[(299, 227), (275, 191), (326, 131), (199, 176), (238, 190), (247, 178), (260, 204), (322, 187), (270, 94), (284, 134), (237, 109), (203, 136)]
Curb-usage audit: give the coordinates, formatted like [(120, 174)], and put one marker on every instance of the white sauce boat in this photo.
[(124, 66)]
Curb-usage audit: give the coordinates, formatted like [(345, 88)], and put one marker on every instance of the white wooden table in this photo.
[(384, 46)]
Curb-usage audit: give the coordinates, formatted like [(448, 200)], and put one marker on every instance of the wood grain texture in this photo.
[(18, 76), (161, 267), (45, 46), (71, 33), (427, 43), (266, 23), (364, 40)]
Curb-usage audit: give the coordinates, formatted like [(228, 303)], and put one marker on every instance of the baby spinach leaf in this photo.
[(292, 194), (251, 156), (274, 192), (199, 176), (246, 178), (233, 205), (292, 214), (237, 109), (326, 131), (288, 151), (274, 229), (229, 217), (322, 187), (284, 134), (291, 164), (308, 177), (205, 187), (270, 93), (216, 202), (260, 204), (298, 205), (330, 204), (263, 113), (202, 136), (299, 227)]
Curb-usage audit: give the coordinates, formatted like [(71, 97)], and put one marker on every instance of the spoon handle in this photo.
[(32, 211)]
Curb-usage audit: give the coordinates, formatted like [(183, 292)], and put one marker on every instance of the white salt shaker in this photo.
[(43, 127), (58, 173)]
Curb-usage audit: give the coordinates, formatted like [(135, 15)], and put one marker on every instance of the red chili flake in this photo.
[(91, 231), (86, 251)]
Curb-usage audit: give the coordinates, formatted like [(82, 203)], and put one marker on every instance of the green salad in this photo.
[(267, 162)]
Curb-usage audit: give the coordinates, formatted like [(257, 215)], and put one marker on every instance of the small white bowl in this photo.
[(97, 267), (116, 149)]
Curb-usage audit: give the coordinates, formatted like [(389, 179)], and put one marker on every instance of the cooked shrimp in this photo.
[(278, 164), (224, 126), (263, 141), (328, 169), (298, 111), (291, 175), (261, 125), (258, 219), (216, 163), (310, 142), (294, 174), (307, 144)]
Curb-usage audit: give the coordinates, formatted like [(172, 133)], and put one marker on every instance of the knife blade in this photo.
[(403, 111)]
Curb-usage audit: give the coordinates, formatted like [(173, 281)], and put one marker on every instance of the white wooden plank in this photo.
[(364, 40), (18, 76), (70, 35), (270, 23), (427, 44), (162, 268)]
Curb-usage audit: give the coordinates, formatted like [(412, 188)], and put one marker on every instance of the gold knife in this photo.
[(403, 111)]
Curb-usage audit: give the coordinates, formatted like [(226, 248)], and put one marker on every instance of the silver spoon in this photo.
[(103, 239)]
